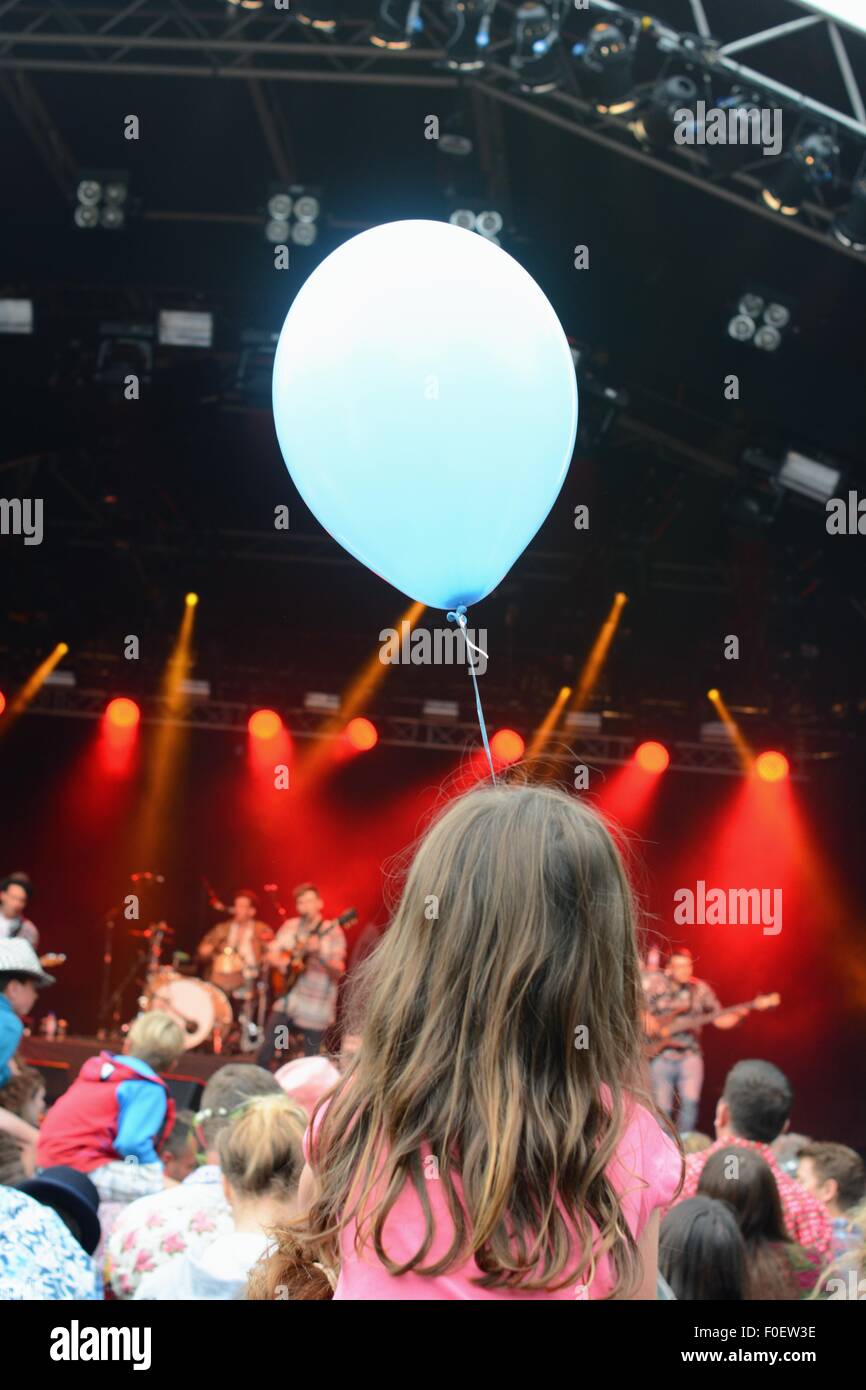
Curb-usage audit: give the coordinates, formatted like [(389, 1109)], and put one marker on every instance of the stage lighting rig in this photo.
[(654, 126), (293, 214), (849, 225), (101, 199), (316, 14), (810, 162), (606, 67), (536, 61), (762, 318), (398, 23), (16, 316), (487, 223), (469, 40)]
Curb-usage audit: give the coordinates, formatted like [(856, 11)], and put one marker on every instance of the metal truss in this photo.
[(195, 39), (395, 731)]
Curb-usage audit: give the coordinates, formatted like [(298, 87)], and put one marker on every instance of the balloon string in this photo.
[(459, 617)]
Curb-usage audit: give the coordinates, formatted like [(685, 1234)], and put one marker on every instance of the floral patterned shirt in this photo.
[(39, 1257), (180, 1220)]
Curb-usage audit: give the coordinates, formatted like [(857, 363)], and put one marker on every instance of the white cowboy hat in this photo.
[(19, 958)]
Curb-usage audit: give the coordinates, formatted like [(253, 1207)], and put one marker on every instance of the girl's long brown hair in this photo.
[(514, 933)]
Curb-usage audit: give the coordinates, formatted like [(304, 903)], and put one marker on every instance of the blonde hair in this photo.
[(262, 1151), (470, 1053), (156, 1039)]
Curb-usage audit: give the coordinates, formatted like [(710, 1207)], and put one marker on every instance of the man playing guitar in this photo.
[(15, 892), (311, 953), (679, 1066)]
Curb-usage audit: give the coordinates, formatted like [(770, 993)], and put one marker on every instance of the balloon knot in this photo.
[(458, 615)]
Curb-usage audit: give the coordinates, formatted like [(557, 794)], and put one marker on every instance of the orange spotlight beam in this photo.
[(33, 684), (548, 724), (356, 697), (741, 743), (598, 655), (154, 824)]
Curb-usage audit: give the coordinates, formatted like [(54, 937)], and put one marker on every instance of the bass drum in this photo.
[(201, 1009)]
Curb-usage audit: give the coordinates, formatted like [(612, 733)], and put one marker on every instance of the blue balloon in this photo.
[(426, 406)]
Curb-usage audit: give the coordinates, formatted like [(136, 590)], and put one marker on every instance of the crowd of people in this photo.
[(492, 1135)]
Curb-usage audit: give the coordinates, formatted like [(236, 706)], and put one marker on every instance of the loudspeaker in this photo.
[(186, 1094)]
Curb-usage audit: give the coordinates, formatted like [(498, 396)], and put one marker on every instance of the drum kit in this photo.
[(226, 1012), (203, 1008)]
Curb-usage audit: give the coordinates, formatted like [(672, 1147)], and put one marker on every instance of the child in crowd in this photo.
[(21, 978), (24, 1095), (261, 1158), (702, 1255), (776, 1266), (487, 1140), (186, 1218), (117, 1109)]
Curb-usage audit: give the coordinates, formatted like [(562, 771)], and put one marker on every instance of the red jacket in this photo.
[(109, 1094)]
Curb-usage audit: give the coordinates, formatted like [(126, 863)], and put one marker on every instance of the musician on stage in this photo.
[(680, 1068), (15, 892), (312, 951), (231, 953)]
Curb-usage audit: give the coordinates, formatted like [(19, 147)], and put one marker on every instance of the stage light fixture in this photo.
[(715, 732), (654, 127), (440, 710), (849, 226), (2, 702), (361, 734), (760, 320), (100, 200), (535, 61), (316, 14), (292, 214), (507, 745), (463, 217), (122, 713), (772, 766), (184, 328), (320, 700), (810, 162), (487, 222), (398, 22), (768, 338), (809, 477), (470, 34), (16, 315), (198, 690), (264, 724), (606, 66), (583, 722), (652, 757)]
